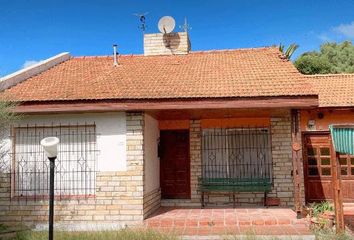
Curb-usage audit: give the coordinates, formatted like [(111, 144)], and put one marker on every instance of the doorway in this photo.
[(317, 169), (174, 164)]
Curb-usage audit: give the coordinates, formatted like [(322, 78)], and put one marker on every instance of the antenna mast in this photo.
[(185, 27), (142, 19)]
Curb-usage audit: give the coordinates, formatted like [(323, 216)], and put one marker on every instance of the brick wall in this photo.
[(119, 199), (166, 44)]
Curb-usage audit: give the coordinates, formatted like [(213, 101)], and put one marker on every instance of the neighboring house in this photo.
[(139, 135), (336, 102)]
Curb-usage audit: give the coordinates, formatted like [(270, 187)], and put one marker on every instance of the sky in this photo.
[(33, 30)]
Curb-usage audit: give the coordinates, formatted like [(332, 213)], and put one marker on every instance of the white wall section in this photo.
[(111, 134), (151, 160)]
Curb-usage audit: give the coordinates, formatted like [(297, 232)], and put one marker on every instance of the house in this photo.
[(145, 133), (336, 103)]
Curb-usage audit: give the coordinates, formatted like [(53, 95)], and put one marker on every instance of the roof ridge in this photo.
[(191, 52), (234, 49), (105, 56)]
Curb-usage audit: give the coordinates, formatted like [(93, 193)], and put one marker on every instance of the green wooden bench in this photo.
[(233, 185)]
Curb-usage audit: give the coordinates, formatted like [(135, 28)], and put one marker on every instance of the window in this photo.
[(237, 153), (312, 161), (319, 162), (75, 167), (347, 165)]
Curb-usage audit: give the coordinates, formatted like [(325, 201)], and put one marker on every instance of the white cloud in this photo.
[(337, 34), (346, 30), (29, 63), (324, 37)]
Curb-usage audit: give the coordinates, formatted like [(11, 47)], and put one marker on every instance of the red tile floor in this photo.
[(217, 221)]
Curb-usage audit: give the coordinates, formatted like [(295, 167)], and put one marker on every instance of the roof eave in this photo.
[(80, 106)]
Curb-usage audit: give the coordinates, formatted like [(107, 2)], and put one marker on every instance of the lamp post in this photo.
[(50, 146)]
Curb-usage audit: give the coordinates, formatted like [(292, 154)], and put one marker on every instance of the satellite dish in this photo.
[(166, 24)]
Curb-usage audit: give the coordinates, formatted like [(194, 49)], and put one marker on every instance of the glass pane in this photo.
[(312, 161), (344, 171), (352, 161), (325, 161), (325, 151), (311, 151), (313, 171), (326, 171), (352, 171), (343, 161)]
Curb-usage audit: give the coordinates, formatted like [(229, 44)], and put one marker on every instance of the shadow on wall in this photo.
[(171, 41)]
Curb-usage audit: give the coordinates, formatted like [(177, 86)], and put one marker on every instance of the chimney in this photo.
[(115, 60), (166, 43)]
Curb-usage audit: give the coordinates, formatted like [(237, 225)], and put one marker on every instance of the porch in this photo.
[(222, 221), (211, 160)]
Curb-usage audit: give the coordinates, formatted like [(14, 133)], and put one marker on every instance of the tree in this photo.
[(289, 51), (312, 63), (332, 58), (7, 118)]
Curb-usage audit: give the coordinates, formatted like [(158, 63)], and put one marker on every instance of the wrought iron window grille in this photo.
[(237, 153), (75, 167)]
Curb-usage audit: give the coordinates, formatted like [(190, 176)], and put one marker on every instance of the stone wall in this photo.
[(195, 145), (118, 201), (282, 160)]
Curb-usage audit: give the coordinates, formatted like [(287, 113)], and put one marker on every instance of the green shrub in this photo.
[(319, 208)]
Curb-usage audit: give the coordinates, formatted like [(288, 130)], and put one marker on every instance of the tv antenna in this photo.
[(166, 24), (185, 27), (142, 19)]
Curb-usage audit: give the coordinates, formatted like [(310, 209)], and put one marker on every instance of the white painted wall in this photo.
[(151, 160), (111, 134)]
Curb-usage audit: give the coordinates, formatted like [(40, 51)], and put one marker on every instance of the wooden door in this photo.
[(174, 164), (317, 170)]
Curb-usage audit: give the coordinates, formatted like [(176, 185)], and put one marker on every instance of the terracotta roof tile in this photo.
[(210, 74), (334, 90)]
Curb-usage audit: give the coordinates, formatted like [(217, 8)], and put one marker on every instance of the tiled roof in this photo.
[(334, 90), (255, 72)]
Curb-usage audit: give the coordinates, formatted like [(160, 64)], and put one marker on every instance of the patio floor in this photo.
[(216, 221)]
